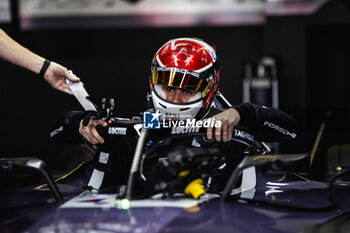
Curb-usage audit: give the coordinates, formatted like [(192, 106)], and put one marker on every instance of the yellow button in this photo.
[(195, 188)]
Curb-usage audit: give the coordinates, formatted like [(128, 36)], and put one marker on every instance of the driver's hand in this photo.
[(229, 119), (90, 133)]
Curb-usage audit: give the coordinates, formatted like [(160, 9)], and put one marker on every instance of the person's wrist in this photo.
[(236, 112), (44, 69)]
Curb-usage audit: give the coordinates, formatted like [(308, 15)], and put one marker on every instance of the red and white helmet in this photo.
[(185, 63)]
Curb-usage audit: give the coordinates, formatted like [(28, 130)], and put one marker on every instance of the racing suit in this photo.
[(265, 124)]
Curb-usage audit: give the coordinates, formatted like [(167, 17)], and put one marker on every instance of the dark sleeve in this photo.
[(267, 124), (67, 128)]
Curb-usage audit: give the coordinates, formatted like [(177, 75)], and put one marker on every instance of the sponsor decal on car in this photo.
[(243, 134), (117, 130)]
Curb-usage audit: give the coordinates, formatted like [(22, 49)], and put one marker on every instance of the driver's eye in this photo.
[(170, 89), (187, 92)]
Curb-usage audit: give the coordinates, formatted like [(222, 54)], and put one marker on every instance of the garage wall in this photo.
[(115, 62)]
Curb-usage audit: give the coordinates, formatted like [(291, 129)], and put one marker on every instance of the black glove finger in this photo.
[(103, 103), (87, 116), (100, 114), (108, 112), (112, 105)]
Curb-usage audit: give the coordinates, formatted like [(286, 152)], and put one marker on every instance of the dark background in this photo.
[(312, 52)]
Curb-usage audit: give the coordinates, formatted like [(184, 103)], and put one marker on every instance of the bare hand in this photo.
[(229, 119), (56, 76), (90, 133)]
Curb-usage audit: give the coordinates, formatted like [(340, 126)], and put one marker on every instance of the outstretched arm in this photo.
[(70, 129), (268, 124), (15, 53)]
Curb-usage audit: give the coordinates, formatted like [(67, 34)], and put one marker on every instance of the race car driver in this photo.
[(185, 77), (184, 80)]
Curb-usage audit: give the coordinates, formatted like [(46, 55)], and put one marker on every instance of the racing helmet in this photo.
[(188, 64)]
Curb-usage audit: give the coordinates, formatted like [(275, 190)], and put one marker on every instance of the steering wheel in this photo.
[(132, 128), (202, 159)]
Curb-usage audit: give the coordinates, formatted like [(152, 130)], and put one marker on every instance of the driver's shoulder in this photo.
[(214, 111)]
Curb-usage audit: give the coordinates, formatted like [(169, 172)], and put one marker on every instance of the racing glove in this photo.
[(105, 110)]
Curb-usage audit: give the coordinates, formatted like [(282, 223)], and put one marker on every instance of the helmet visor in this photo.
[(179, 78)]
